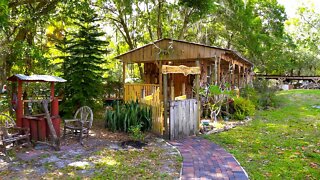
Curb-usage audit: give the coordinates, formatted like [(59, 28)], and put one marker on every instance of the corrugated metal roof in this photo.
[(41, 78)]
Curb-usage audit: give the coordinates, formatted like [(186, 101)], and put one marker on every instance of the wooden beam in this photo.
[(166, 69), (197, 89), (165, 103), (160, 80), (219, 71), (183, 88), (247, 76), (233, 75), (243, 84), (239, 76), (216, 71), (230, 72), (124, 66), (212, 70), (172, 87), (19, 110)]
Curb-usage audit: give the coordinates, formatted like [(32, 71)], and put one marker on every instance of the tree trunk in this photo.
[(148, 25), (184, 26), (229, 41), (159, 24)]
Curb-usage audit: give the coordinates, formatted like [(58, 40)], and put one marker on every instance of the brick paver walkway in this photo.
[(203, 159)]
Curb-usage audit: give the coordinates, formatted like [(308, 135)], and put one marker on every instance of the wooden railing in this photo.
[(133, 92)]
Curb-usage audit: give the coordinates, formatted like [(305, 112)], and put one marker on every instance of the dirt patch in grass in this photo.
[(101, 157)]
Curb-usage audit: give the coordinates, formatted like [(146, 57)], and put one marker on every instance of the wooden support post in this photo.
[(160, 80), (19, 110), (219, 71), (239, 77), (165, 103), (233, 76), (183, 88), (51, 91), (243, 83), (246, 76), (211, 73), (216, 71), (52, 97), (230, 71), (172, 88), (197, 91), (124, 64)]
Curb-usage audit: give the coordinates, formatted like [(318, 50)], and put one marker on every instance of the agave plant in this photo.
[(124, 116)]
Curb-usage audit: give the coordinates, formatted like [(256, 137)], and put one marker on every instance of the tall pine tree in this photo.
[(84, 50)]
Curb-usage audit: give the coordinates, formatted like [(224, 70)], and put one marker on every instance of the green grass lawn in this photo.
[(283, 143)]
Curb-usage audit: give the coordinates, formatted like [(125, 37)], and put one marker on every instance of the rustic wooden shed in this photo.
[(179, 68)]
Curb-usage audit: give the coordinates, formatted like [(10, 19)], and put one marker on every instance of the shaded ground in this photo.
[(204, 159), (280, 143), (101, 157)]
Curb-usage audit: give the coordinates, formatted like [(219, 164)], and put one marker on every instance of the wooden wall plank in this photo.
[(195, 117), (188, 118), (172, 120)]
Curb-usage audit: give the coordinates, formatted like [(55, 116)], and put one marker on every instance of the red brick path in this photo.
[(203, 159)]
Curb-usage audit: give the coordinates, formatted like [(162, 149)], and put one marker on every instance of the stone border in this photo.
[(228, 127), (177, 150)]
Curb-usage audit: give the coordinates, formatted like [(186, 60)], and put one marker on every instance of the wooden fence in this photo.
[(183, 118), (133, 92), (157, 111)]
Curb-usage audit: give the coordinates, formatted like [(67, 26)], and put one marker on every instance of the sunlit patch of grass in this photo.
[(130, 164), (106, 161), (280, 143), (123, 164)]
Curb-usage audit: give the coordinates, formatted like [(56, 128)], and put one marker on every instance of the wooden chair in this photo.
[(80, 124), (11, 134)]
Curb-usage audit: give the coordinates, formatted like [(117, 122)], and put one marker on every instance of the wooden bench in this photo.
[(10, 134)]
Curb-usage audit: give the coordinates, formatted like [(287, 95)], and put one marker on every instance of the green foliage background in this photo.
[(31, 31)]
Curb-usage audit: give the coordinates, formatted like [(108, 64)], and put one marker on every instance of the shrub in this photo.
[(124, 116), (262, 94), (251, 94), (243, 107), (214, 98), (267, 93), (135, 133), (3, 103)]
